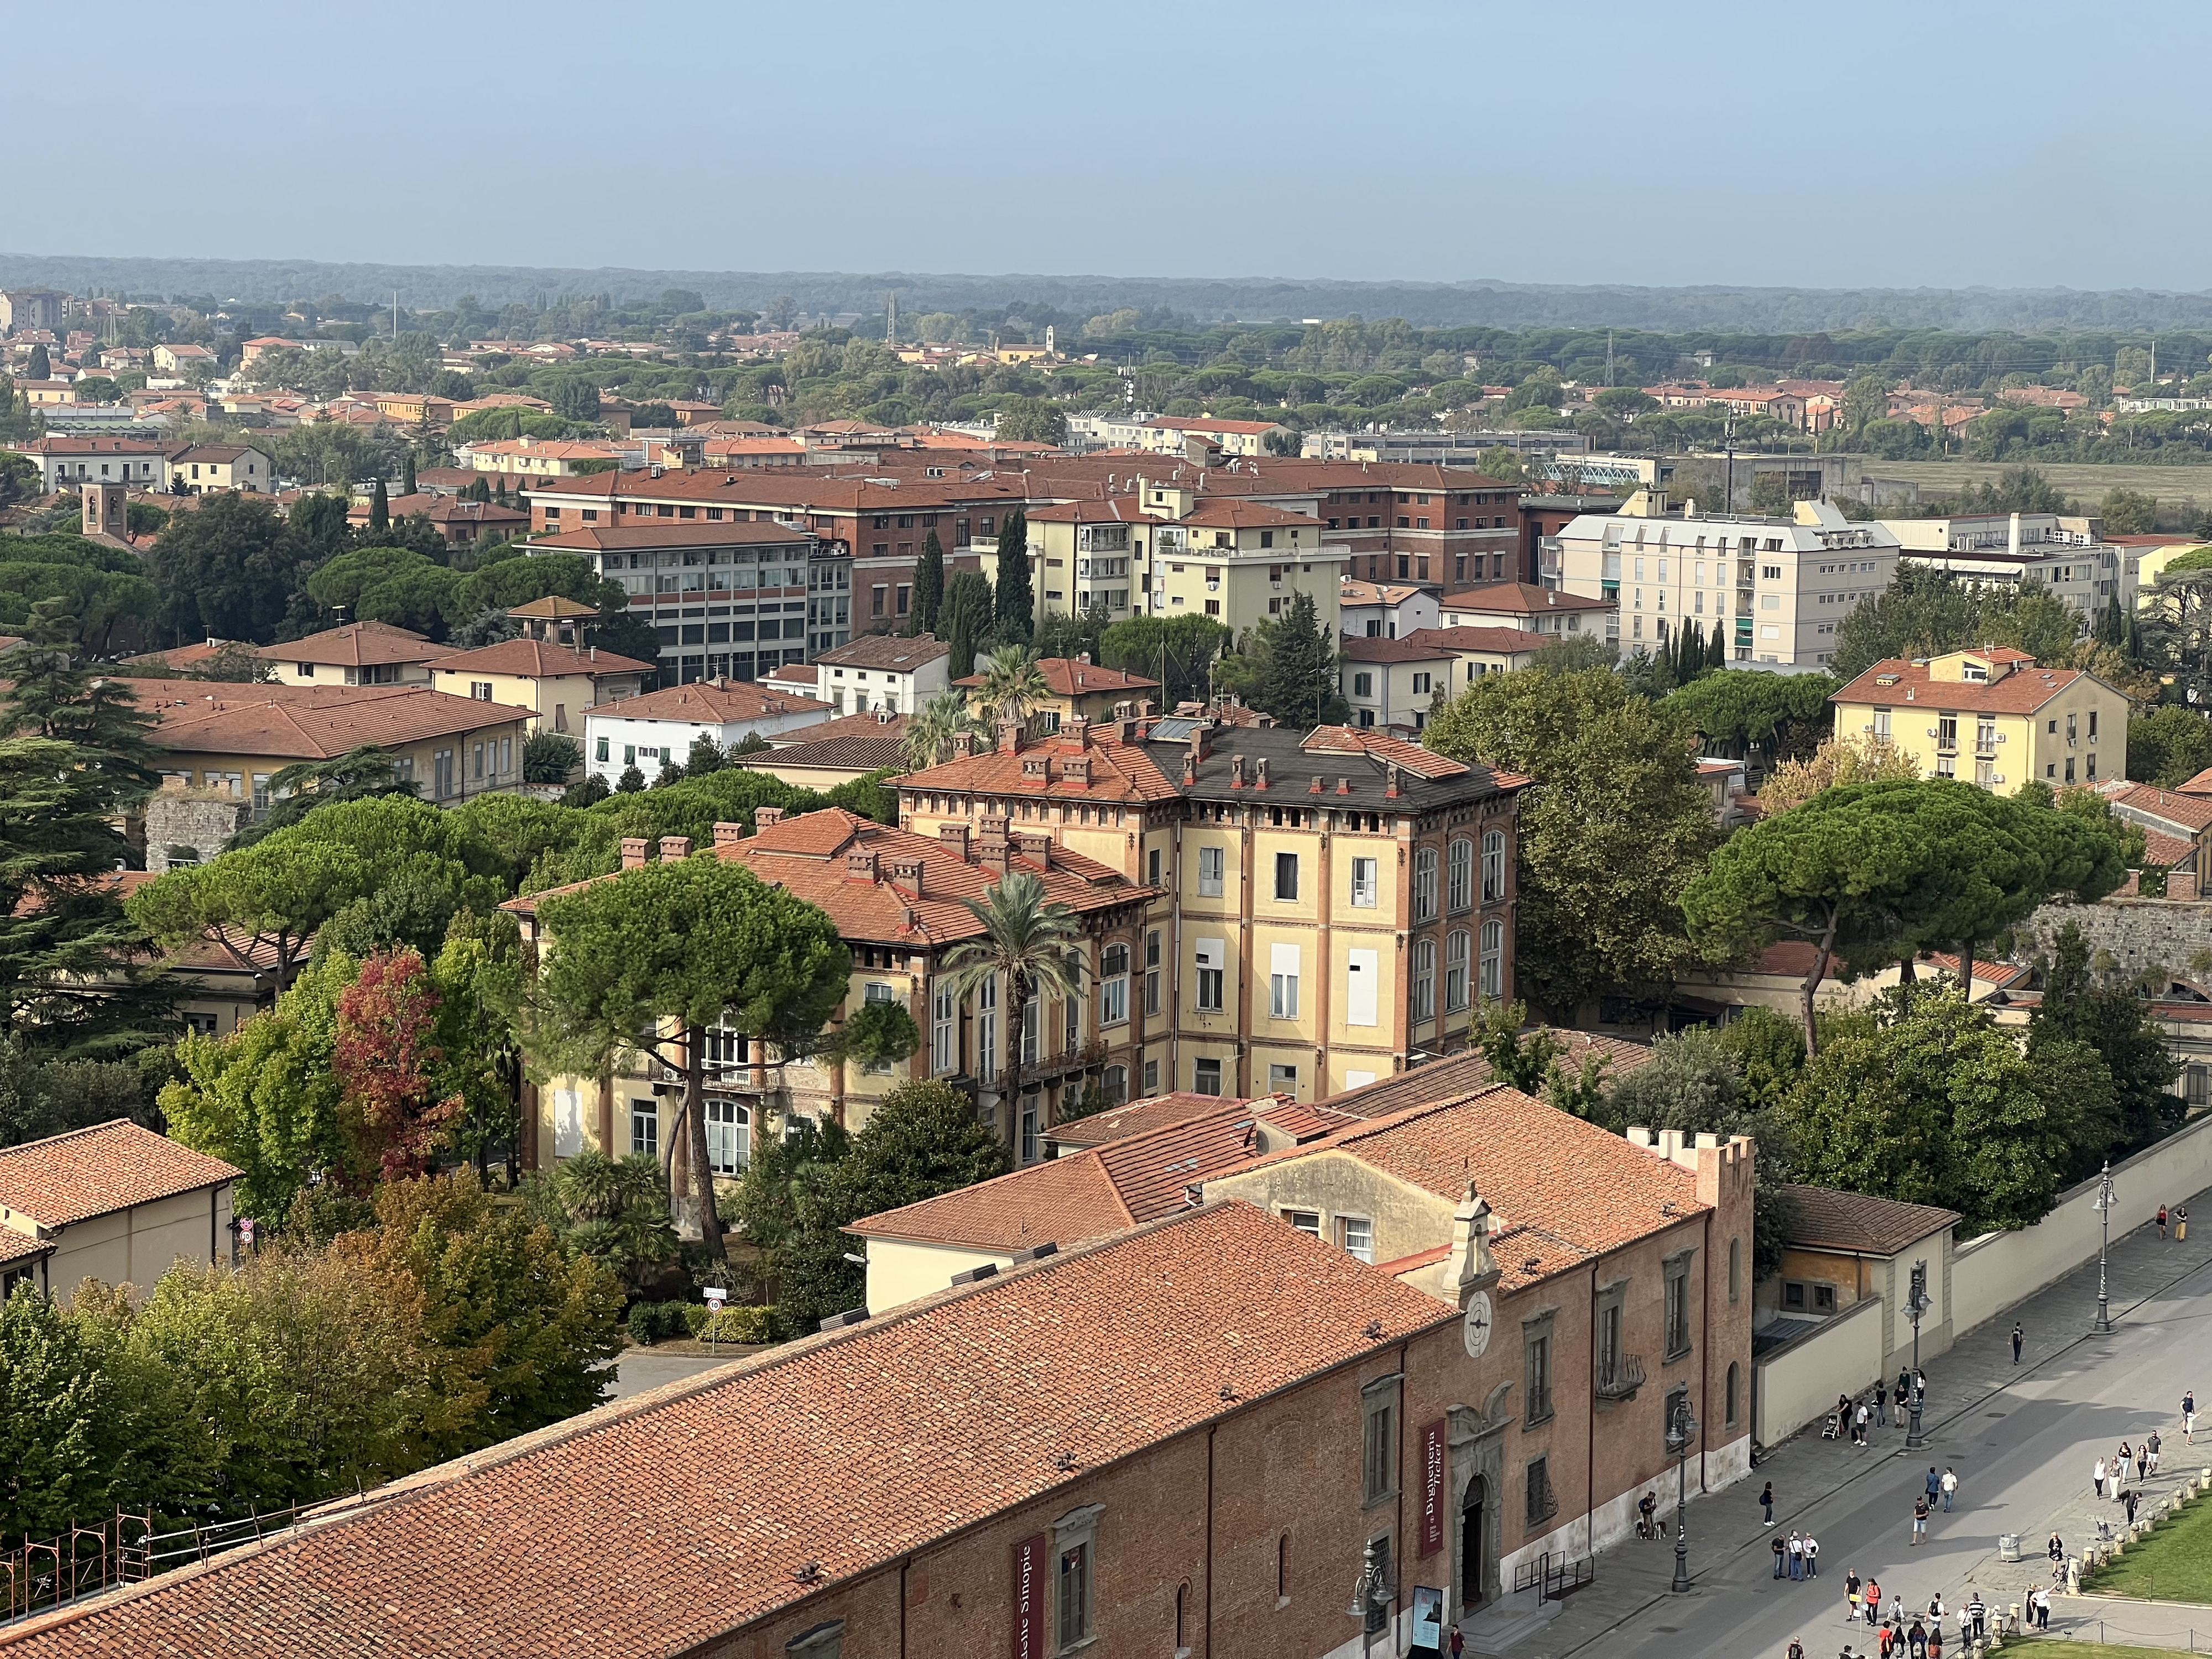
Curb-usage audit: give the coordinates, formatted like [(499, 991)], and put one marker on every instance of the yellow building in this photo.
[(1993, 717), (541, 458), (554, 683), (359, 653), (2156, 555), (1241, 562), (203, 467)]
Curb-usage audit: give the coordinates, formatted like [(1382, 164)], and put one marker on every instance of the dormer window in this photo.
[(1973, 670)]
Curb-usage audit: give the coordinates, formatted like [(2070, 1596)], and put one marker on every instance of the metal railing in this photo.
[(1622, 1379), (40, 1574)]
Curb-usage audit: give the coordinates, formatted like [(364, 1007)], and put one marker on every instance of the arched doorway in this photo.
[(1472, 1587)]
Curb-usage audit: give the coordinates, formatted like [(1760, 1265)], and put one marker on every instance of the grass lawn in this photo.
[(2174, 1564), (2182, 490), (2053, 1647)]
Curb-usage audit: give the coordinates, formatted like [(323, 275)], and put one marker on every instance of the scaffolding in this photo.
[(38, 1574)]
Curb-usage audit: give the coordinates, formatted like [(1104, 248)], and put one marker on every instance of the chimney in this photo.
[(1076, 769), (1201, 740), (992, 846), (1035, 846), (1084, 657), (1236, 771), (1010, 736), (2012, 542), (963, 745), (634, 851), (1077, 732), (675, 847), (953, 837), (766, 818), (861, 865), (1390, 780), (1315, 788), (1260, 772), (1190, 766), (1343, 786), (1147, 708), (728, 835), (906, 876)]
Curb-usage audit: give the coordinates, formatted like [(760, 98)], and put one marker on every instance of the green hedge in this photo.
[(661, 1321)]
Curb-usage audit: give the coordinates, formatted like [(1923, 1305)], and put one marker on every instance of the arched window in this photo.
[(1116, 1084), (1282, 1571), (1455, 950), (1494, 961), (1424, 884), (1425, 980), (1182, 1607), (1736, 1268), (1493, 866), (1462, 875), (1735, 1389)]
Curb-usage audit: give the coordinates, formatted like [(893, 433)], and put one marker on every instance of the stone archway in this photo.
[(1478, 1484)]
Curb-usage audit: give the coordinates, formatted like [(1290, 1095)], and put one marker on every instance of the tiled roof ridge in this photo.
[(1067, 1163)]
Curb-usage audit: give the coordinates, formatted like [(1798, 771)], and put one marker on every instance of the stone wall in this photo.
[(182, 818), (2137, 933)]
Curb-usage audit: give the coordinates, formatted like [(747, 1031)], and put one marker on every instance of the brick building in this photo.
[(1193, 1438)]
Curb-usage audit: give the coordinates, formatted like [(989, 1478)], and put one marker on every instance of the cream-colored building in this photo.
[(115, 1202), (199, 468), (1395, 683), (557, 683), (359, 653), (1994, 717), (1777, 587), (1241, 562), (546, 457)]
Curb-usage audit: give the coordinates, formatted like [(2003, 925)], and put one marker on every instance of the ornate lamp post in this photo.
[(1917, 1303), (2105, 1213), (1371, 1594), (1679, 1433)]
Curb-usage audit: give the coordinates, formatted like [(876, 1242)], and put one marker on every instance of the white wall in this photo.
[(1798, 1384), (1991, 1272), (901, 1269), (673, 737)]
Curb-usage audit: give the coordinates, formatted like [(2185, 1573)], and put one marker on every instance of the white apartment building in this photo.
[(2066, 553), (1779, 586)]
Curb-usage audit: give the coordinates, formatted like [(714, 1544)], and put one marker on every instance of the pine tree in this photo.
[(380, 508), (1017, 597), (929, 584)]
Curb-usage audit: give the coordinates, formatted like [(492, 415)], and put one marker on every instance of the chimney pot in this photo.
[(1315, 788), (767, 817), (1010, 736), (1260, 773), (634, 851), (675, 847), (954, 838), (727, 834), (1343, 786), (1236, 771)]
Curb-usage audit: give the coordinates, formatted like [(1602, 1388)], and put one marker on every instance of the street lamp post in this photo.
[(1371, 1594), (1917, 1303), (1679, 1433), (2103, 1245)]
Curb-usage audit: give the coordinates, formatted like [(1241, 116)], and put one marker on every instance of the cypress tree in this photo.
[(407, 487), (1716, 648), (1017, 599), (40, 368), (380, 508), (928, 585)]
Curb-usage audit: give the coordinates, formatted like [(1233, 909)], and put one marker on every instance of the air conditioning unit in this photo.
[(1998, 777), (1931, 731)]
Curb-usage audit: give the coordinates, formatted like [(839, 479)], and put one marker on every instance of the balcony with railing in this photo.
[(1619, 1376)]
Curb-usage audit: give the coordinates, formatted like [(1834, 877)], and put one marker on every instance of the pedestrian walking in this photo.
[(2127, 1456), (1920, 1519), (2018, 1337), (1899, 1401), (1458, 1643), (1885, 1639), (1978, 1614), (2142, 1460), (1935, 1485), (1916, 1640), (1766, 1502), (1950, 1485), (2150, 1450), (1936, 1640), (1796, 1557), (1795, 1649), (2057, 1549), (2097, 1477), (1965, 1625), (1935, 1608), (1880, 1406), (1873, 1601), (2181, 1225), (2189, 1416), (2162, 1224), (1781, 1558), (1812, 1556), (2128, 1504), (1851, 1595)]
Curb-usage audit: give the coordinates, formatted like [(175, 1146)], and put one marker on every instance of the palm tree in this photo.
[(931, 728), (1027, 939), (1012, 685)]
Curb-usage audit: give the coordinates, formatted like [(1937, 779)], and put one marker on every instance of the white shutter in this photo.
[(567, 1123), (1363, 972), (1213, 952), (1357, 1079), (1283, 959)]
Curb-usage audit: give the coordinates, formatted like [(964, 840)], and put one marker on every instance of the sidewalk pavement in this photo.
[(1729, 1546)]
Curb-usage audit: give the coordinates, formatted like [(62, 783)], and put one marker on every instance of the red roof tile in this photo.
[(537, 659), (357, 645), (1068, 677), (72, 1177), (852, 1449), (724, 701), (2019, 692), (1520, 599), (1119, 771)]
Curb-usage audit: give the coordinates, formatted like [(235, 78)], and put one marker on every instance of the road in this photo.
[(2022, 1442)]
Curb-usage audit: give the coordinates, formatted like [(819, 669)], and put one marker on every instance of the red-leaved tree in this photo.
[(390, 1069)]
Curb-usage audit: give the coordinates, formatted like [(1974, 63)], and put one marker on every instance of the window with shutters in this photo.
[(1379, 1446), (1493, 866), (1152, 972), (1286, 876), (1491, 977), (1456, 965), (1210, 862), (1424, 884), (1114, 985), (1282, 982), (1425, 979), (1461, 865), (1364, 883)]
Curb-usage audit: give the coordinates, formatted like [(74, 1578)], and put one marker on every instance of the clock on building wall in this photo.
[(1477, 1326)]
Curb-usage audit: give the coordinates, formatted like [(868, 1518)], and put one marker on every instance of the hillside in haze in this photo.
[(1497, 305)]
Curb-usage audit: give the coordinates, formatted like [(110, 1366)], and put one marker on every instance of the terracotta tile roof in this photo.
[(72, 1177), (799, 489), (357, 645), (1375, 475), (794, 673), (857, 744), (1118, 771), (1505, 641), (306, 722), (852, 1449), (2199, 785), (1216, 513), (2190, 810), (1358, 740), (1565, 1191), (1859, 1221), (1520, 598), (892, 652), (725, 702), (1114, 510), (214, 455), (553, 607), (538, 660), (1417, 646), (1069, 677), (17, 1248), (888, 727), (1364, 593), (1464, 1073), (1139, 1117), (2162, 852), (2021, 692)]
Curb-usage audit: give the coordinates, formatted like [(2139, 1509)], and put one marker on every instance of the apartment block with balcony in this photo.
[(1993, 717), (1776, 587), (2065, 554)]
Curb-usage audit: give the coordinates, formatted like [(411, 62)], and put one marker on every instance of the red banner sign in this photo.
[(1436, 1484), (1029, 1558)]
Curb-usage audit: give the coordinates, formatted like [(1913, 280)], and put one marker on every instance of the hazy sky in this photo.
[(2013, 144)]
